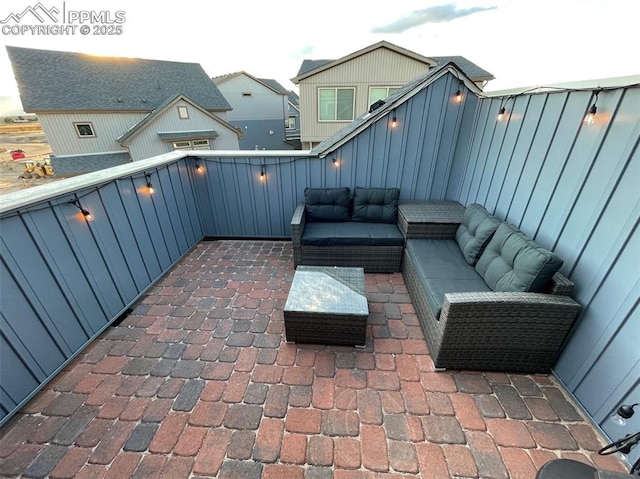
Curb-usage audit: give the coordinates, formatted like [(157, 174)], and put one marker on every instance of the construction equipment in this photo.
[(37, 169)]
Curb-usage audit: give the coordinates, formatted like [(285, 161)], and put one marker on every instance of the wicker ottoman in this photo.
[(327, 305), (429, 219)]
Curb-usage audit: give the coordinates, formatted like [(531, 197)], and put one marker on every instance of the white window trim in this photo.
[(196, 144), (291, 119), (336, 88), (381, 86), (183, 112), (76, 124)]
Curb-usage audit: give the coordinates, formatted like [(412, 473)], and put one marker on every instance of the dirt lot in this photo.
[(29, 138)]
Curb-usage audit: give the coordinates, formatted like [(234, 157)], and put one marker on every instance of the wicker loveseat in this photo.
[(489, 298), (331, 228)]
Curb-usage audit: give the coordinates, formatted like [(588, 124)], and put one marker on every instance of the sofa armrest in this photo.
[(560, 285), (297, 227), (297, 223), (501, 331)]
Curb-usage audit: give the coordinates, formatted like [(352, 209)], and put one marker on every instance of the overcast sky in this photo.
[(521, 42)]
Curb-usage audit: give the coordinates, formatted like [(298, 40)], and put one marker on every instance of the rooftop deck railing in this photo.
[(571, 186)]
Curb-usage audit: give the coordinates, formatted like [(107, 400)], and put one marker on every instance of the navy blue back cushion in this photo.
[(375, 205), (327, 204)]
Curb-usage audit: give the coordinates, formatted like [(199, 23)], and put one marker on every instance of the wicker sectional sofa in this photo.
[(489, 298), (333, 228)]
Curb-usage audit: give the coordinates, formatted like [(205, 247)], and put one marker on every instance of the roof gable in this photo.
[(265, 82), (473, 71), (62, 81), (148, 119), (313, 67)]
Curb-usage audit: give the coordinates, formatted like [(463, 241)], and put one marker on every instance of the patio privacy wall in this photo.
[(572, 187), (65, 279)]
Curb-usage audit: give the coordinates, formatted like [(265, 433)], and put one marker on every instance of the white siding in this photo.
[(147, 143), (263, 104), (381, 67), (61, 133)]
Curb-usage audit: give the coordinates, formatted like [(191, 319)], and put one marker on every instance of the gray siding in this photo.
[(63, 138), (64, 279), (147, 143), (361, 73), (263, 104), (574, 188), (263, 135)]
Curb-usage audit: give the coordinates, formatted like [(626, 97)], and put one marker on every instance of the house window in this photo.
[(183, 113), (191, 145), (291, 123), (380, 92), (84, 130), (200, 144), (335, 104)]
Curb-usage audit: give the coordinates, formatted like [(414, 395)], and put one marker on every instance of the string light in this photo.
[(198, 167), (336, 162), (85, 212), (503, 110), (394, 120), (458, 97), (149, 185), (590, 117), (262, 173)]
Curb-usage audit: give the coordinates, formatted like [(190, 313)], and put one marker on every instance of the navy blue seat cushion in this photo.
[(513, 262), (442, 268), (327, 204), (475, 231), (375, 205), (351, 234)]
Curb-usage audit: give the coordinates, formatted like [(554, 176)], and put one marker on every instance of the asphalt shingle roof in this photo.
[(62, 81), (275, 85), (470, 69), (308, 65)]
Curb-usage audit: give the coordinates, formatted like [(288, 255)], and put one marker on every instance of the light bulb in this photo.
[(394, 122), (501, 114), (458, 97), (618, 420), (588, 120)]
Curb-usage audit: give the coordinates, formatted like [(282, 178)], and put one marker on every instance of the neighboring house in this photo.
[(335, 92), (292, 131), (260, 109), (98, 112)]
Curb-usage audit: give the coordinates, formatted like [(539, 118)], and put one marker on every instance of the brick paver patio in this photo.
[(198, 381)]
